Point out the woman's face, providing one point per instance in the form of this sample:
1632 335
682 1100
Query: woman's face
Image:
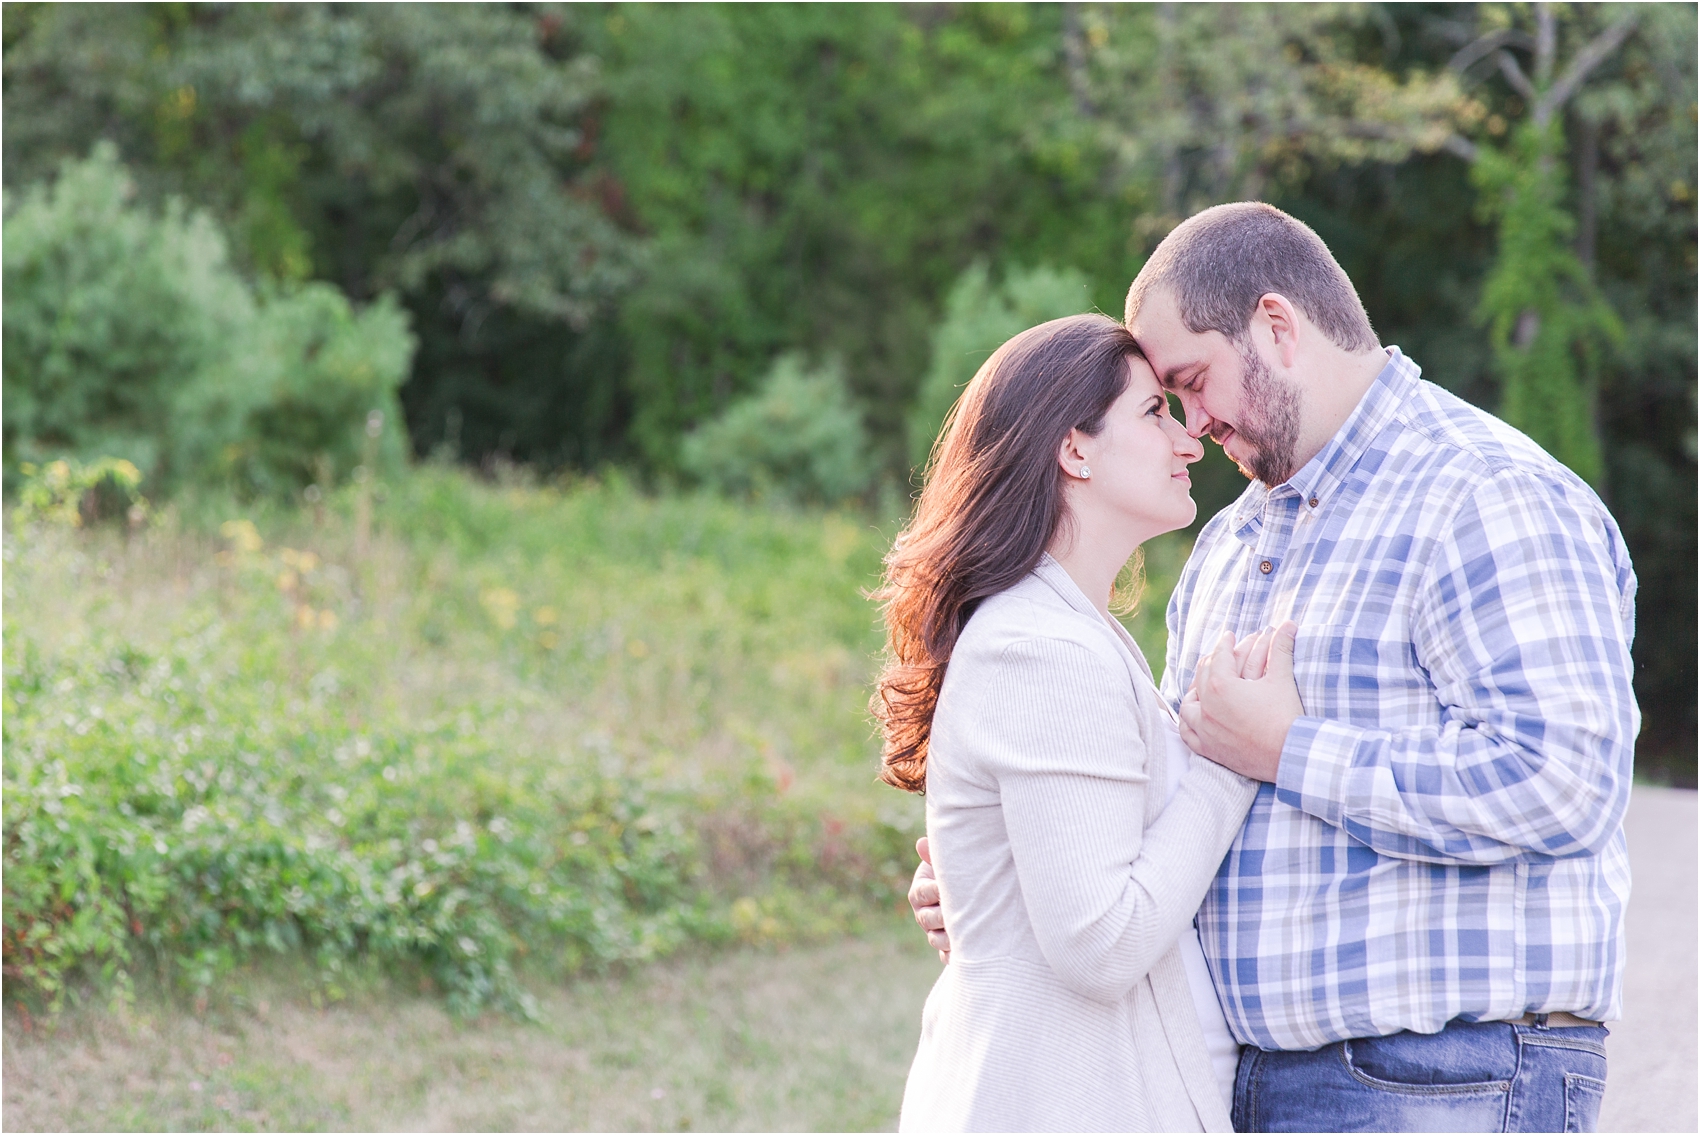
1139 460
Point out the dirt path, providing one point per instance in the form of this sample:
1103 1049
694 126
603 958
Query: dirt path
1652 1084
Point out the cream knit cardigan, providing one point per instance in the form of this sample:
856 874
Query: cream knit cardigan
1065 882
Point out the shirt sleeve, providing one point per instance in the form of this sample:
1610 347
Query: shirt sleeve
1169 689
1523 626
1106 897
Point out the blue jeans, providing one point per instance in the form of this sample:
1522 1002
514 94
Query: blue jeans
1467 1077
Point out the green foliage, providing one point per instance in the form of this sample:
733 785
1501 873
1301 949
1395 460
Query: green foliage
128 332
1546 320
537 727
71 494
798 435
979 316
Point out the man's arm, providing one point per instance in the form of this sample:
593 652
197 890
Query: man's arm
1522 632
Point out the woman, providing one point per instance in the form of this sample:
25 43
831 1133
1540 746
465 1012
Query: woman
1069 876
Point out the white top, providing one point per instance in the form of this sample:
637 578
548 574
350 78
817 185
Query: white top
1065 883
1218 1041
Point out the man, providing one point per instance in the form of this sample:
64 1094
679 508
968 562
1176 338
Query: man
1421 925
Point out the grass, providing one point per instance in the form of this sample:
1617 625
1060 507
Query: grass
514 733
756 1038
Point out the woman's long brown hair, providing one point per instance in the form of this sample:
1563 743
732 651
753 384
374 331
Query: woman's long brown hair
993 501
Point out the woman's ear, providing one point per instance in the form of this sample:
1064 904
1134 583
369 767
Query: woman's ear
1071 456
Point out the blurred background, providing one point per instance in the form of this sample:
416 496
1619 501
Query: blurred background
446 448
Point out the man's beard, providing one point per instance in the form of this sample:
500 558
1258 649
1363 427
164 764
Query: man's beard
1269 424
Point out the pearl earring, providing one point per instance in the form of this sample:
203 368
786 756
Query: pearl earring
1085 473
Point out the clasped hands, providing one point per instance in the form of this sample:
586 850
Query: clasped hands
1243 701
1241 705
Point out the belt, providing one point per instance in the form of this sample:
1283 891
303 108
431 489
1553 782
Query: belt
1554 1021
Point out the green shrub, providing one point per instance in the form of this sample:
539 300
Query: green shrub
128 333
183 812
798 435
72 494
979 316
118 321
323 368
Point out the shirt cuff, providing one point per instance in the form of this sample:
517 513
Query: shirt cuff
1315 762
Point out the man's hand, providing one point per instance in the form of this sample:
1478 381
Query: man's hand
924 897
1243 701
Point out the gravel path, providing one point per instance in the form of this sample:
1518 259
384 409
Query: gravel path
1652 1081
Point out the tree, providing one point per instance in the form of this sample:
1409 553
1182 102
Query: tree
1223 102
452 132
1547 320
815 177
440 152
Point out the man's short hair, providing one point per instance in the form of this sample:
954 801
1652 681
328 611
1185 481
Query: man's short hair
1220 262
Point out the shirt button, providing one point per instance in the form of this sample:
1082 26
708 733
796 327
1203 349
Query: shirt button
1265 567
1314 502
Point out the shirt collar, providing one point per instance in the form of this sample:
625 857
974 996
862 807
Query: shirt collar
1325 472
1053 573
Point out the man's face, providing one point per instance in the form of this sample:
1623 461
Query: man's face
1226 391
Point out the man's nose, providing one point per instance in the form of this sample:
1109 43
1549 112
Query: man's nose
1198 423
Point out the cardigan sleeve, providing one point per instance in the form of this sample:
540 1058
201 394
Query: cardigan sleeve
1059 731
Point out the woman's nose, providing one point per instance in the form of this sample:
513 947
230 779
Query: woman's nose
1187 444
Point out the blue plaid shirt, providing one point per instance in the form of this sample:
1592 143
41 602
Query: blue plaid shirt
1445 837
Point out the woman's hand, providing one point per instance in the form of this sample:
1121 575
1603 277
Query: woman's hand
1243 701
924 900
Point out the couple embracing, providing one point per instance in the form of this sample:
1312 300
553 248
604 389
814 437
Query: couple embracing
1358 863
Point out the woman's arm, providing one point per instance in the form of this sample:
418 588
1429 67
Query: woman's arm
1058 728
